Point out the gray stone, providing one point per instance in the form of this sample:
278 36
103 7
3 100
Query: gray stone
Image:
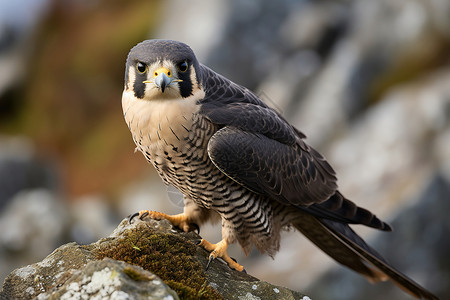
30 281
33 224
80 272
112 279
21 170
91 218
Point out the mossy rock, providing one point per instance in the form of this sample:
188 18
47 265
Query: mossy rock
170 256
140 259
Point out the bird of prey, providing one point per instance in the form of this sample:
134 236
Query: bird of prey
236 160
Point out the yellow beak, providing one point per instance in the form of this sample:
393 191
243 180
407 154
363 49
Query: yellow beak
162 78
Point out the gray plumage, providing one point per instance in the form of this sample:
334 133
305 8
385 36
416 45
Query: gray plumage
235 158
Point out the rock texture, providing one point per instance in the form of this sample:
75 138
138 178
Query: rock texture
143 260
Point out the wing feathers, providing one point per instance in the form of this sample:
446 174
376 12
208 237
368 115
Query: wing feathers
285 173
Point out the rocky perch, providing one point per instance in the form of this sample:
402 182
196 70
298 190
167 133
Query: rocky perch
144 260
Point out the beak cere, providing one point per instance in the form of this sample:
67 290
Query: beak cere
162 78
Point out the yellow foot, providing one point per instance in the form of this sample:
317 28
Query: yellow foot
181 220
220 250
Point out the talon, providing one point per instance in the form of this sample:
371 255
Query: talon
131 217
211 258
220 250
197 241
181 220
142 216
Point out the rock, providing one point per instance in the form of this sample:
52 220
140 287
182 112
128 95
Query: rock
32 280
280 42
114 280
20 169
387 44
139 260
397 146
91 218
33 224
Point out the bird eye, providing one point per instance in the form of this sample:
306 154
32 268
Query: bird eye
142 68
183 66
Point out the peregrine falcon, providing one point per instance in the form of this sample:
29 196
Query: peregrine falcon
236 160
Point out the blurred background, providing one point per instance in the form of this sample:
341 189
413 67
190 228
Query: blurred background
367 81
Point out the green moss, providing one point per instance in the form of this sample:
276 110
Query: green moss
168 256
136 276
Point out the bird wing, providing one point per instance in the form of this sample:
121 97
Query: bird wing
266 166
259 149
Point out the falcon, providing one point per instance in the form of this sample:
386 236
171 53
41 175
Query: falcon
237 160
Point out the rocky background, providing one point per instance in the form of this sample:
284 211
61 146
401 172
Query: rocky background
367 81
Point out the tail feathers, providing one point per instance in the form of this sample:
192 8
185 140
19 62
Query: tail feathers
339 208
340 242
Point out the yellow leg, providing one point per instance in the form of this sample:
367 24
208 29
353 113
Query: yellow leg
181 220
220 250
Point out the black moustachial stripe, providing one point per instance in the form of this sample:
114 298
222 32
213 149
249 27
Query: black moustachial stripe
139 85
186 84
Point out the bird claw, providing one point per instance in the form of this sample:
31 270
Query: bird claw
141 214
211 258
131 217
219 250
181 220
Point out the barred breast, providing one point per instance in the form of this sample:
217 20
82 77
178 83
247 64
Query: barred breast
171 136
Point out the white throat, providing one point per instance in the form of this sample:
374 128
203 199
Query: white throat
153 122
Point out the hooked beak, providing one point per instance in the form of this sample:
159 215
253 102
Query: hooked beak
162 81
162 78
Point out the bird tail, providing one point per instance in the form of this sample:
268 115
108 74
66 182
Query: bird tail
338 208
340 242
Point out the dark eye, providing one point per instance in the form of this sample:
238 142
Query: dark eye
183 66
142 68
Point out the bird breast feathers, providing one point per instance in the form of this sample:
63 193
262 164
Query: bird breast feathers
159 119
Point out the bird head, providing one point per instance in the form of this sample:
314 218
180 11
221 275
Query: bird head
161 69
